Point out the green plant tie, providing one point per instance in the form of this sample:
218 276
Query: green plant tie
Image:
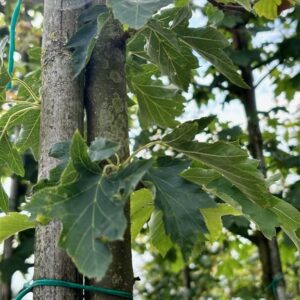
12 40
28 287
273 285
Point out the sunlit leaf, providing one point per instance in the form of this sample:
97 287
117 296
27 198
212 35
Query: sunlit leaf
213 218
267 8
142 207
158 237
13 223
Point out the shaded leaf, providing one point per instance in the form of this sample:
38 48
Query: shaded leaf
82 43
209 43
188 130
229 161
101 149
173 58
14 116
265 219
29 137
180 202
91 208
245 3
3 199
158 104
136 13
4 78
10 157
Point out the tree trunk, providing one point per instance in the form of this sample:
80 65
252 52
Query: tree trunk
5 287
106 106
256 150
186 274
62 114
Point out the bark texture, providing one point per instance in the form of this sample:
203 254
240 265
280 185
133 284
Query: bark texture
268 249
106 107
62 114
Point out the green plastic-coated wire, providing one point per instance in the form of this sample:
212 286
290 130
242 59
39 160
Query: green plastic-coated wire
273 285
53 282
12 40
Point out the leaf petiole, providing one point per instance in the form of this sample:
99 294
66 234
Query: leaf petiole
147 146
28 88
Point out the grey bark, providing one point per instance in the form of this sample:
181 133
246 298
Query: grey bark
273 264
62 114
106 107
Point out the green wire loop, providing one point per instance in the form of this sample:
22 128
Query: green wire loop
273 285
28 287
12 40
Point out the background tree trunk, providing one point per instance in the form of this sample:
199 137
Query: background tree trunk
62 114
106 106
187 280
273 264
5 287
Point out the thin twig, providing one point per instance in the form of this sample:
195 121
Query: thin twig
227 7
266 75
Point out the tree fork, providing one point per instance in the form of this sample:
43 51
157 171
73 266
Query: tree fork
106 107
256 150
62 114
